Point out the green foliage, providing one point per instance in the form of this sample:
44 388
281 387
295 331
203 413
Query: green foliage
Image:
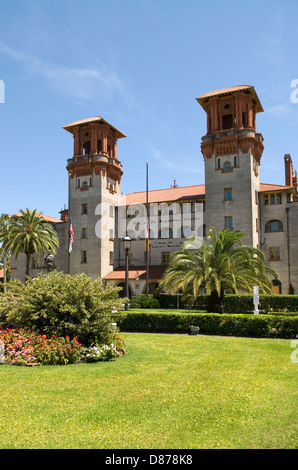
259 326
23 348
144 301
222 266
28 233
60 304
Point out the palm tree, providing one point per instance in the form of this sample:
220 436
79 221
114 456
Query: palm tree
29 233
223 266
4 255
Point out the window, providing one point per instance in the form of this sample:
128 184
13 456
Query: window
274 226
235 161
84 233
111 234
218 164
227 166
84 257
165 257
274 253
273 199
78 183
228 196
111 257
85 186
84 208
229 222
227 121
130 258
111 211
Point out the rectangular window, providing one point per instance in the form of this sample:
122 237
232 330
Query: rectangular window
84 257
84 208
78 183
278 198
111 257
274 253
256 197
111 211
84 233
229 222
165 257
228 195
130 258
265 199
272 199
111 234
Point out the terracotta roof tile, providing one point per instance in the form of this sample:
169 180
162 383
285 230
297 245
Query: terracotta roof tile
82 122
274 187
46 217
225 91
164 195
155 272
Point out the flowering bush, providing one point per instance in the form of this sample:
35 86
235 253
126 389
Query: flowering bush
22 347
114 346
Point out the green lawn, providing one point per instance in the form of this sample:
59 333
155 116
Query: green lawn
168 392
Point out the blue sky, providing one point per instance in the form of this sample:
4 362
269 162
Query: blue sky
140 64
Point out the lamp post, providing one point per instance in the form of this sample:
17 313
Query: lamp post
126 248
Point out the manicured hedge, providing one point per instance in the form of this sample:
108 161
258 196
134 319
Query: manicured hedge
259 326
237 303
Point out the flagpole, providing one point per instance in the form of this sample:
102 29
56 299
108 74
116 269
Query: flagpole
147 234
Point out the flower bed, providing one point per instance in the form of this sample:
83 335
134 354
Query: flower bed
31 348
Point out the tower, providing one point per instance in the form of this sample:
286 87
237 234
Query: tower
232 151
94 188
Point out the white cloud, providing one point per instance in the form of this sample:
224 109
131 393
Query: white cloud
74 81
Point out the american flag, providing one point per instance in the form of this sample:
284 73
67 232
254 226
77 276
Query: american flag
71 236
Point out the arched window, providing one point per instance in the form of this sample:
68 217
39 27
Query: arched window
227 166
274 226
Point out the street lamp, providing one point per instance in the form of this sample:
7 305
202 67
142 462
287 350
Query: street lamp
126 248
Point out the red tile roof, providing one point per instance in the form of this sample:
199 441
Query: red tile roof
226 91
46 217
274 187
183 194
162 195
82 122
155 272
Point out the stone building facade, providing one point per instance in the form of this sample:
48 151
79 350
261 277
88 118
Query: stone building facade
232 197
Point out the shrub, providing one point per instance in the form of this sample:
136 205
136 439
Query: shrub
260 326
144 301
62 305
23 347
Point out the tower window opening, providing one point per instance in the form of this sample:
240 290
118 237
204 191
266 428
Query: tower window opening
227 121
227 167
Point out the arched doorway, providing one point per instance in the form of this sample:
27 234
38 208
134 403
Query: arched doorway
122 292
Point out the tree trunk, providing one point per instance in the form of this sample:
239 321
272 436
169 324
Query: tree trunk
4 273
28 258
216 303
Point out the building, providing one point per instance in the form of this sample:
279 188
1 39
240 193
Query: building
232 196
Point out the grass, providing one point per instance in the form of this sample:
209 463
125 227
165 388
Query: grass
168 392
